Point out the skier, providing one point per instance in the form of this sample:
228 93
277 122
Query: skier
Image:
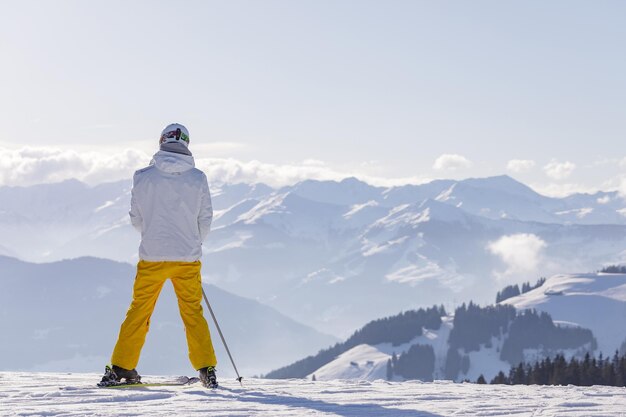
171 207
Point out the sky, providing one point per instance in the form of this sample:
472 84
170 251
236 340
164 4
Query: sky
278 91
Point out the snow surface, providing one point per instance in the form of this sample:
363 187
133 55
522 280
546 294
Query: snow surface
43 394
361 362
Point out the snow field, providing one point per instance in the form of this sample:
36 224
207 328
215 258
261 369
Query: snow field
47 394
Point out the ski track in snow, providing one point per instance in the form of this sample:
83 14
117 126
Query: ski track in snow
47 394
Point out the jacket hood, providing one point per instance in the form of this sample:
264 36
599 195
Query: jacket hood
175 147
171 162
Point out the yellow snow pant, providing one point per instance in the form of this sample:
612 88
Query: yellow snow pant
150 278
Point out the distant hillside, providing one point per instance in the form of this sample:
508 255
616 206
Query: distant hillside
396 330
65 316
428 344
512 333
595 301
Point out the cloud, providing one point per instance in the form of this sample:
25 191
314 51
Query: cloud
451 162
520 252
35 165
234 171
616 183
559 170
519 166
621 188
562 190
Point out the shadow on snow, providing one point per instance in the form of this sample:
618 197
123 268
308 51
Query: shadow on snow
345 410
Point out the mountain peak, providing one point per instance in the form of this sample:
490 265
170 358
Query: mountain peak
348 191
503 183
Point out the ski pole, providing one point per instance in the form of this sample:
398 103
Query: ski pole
206 300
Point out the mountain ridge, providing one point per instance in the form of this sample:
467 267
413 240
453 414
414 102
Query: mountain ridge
339 242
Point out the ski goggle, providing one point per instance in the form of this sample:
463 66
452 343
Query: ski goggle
177 134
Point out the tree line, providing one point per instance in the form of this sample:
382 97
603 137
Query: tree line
396 330
476 327
614 269
511 291
416 363
559 371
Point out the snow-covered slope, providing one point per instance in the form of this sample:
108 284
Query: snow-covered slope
363 362
366 362
594 301
41 394
473 341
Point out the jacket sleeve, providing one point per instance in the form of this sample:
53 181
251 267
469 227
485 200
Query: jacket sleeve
206 211
135 215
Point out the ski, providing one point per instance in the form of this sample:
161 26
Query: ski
181 381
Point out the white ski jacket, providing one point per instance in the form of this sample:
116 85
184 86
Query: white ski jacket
171 207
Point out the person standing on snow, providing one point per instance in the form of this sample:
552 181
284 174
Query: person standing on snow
171 207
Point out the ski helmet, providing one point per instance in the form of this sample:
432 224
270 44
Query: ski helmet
175 133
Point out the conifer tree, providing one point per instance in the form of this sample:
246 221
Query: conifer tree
389 370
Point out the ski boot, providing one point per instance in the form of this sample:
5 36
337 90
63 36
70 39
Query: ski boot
113 376
208 378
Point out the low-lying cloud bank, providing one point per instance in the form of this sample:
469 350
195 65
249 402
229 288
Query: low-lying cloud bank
35 165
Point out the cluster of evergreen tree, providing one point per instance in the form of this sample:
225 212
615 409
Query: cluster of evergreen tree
514 290
531 329
559 371
475 325
456 364
417 363
396 330
614 269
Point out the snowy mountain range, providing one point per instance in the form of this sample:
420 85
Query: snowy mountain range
334 255
65 316
575 302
